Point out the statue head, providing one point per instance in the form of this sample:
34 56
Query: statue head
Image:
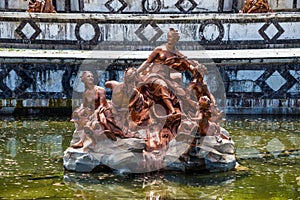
81 115
173 36
204 103
130 75
87 77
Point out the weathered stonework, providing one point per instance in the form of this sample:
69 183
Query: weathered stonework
257 82
144 32
149 6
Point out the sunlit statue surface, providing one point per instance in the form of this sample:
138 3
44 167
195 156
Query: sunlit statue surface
255 6
151 122
41 6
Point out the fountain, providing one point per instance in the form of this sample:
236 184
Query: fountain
151 122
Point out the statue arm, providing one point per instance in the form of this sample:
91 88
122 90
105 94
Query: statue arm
102 96
111 84
149 60
143 67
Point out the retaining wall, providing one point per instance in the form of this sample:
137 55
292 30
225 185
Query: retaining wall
264 82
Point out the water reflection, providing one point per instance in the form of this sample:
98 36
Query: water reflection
163 185
50 145
31 166
11 147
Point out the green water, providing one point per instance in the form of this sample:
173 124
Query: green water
31 166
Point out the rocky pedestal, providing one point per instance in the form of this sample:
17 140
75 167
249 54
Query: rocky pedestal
184 153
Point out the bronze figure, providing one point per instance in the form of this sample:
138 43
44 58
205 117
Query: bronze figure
41 6
256 6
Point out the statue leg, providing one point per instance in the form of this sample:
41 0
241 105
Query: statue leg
169 105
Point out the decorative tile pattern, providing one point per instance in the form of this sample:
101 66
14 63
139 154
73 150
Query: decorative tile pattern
211 31
145 37
275 81
116 6
14 89
271 81
88 32
117 31
151 6
275 32
28 30
249 88
186 6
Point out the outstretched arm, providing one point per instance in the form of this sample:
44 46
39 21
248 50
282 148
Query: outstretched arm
111 84
143 67
149 60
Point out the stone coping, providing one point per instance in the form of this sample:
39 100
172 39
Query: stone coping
156 17
99 54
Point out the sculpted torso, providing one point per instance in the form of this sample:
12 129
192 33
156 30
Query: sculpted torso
93 98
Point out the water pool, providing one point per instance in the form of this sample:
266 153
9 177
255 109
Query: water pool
31 167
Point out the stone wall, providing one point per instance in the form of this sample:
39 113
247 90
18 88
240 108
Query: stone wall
140 32
259 83
149 6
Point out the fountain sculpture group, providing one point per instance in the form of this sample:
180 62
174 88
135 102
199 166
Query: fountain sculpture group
151 122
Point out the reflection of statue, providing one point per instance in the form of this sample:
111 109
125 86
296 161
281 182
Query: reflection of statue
255 6
41 6
151 120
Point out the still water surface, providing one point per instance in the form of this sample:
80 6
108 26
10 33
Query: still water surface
31 165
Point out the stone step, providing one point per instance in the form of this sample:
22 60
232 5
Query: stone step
241 54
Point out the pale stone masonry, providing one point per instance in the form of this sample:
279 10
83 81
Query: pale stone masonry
149 6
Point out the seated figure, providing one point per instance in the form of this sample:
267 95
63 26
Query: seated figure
94 97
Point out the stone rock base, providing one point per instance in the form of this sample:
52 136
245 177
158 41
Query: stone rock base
182 154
